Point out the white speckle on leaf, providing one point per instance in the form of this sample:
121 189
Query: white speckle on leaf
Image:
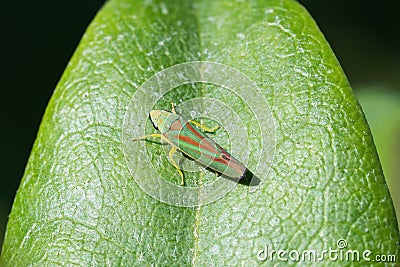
182 76
275 221
156 94
268 11
211 19
215 250
164 9
241 36
94 86
302 72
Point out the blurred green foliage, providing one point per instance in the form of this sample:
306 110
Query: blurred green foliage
381 107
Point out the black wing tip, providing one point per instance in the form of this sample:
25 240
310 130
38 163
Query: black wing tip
249 179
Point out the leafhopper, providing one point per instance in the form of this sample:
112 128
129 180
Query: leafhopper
185 136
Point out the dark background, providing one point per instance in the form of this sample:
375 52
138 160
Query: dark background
39 37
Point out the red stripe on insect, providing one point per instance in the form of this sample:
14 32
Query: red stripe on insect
221 160
193 130
187 139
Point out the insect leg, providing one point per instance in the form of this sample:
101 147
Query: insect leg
146 137
173 108
171 153
205 128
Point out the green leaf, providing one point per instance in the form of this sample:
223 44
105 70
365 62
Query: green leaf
78 203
